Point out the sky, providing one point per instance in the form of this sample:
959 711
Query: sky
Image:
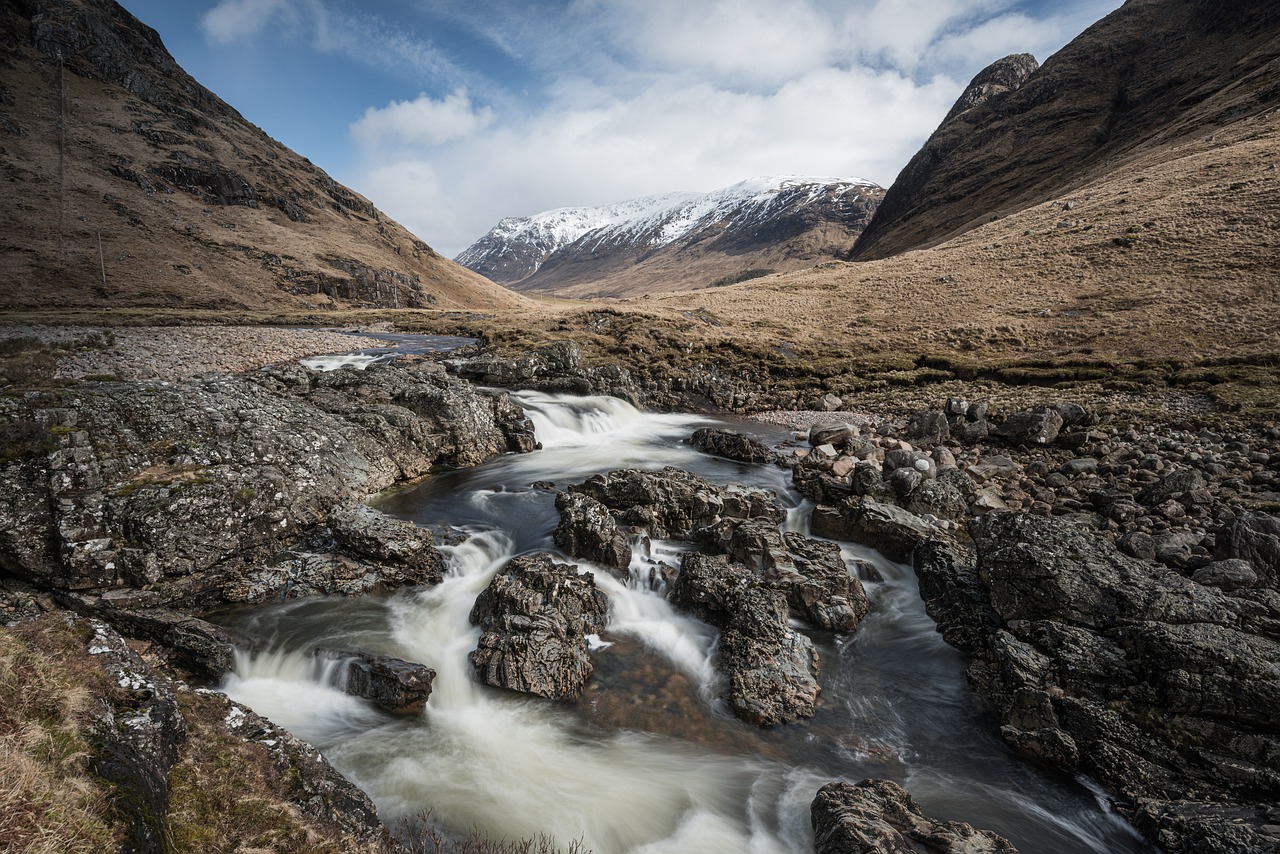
452 114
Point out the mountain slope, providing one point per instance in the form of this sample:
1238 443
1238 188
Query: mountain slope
127 183
1150 73
677 241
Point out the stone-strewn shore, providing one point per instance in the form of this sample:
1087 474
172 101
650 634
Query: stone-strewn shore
176 353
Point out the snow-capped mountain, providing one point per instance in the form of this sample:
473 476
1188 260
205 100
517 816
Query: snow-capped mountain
677 240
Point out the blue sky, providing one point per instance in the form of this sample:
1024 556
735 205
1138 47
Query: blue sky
451 114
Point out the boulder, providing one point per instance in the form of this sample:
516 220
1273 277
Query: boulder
1038 426
588 531
881 817
927 428
1255 537
730 445
362 532
835 433
393 684
535 616
1175 483
889 529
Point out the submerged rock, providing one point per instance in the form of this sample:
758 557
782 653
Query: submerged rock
535 616
395 685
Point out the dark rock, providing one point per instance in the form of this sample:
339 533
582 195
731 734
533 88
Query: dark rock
730 445
881 817
1255 537
834 433
1173 484
395 685
363 532
927 428
1160 688
772 670
942 499
969 431
587 531
1079 466
1230 574
187 642
1037 426
1138 544
535 616
674 504
891 530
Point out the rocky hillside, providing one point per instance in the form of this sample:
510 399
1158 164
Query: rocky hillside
1153 73
130 184
677 241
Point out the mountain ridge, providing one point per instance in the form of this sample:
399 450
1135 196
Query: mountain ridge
131 184
676 240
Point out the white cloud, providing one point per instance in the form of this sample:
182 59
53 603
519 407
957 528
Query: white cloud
238 20
422 121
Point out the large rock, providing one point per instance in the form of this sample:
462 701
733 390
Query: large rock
881 817
889 529
1038 426
1160 688
535 616
187 489
772 670
588 531
362 532
675 504
395 685
730 445
1254 537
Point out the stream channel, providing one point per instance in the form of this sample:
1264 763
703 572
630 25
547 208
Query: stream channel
649 759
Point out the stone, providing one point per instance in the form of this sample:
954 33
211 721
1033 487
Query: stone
881 817
366 533
1138 544
1230 574
927 428
1039 426
956 406
891 530
588 531
1255 537
730 445
535 616
1079 466
831 403
836 433
393 684
1175 483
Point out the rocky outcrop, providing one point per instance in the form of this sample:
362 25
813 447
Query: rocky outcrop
589 532
535 616
881 817
1019 135
1161 688
225 489
772 670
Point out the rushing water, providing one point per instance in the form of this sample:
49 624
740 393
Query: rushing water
649 760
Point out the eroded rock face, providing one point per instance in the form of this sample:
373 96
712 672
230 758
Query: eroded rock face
194 489
1159 687
880 817
536 615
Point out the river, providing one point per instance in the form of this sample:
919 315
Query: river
649 760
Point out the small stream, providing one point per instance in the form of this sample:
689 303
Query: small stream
649 760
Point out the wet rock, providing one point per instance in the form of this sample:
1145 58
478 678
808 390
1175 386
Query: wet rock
730 445
395 685
535 616
587 531
365 533
1159 687
881 817
1255 537
675 504
889 529
772 670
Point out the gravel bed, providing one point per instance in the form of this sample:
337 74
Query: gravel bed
175 353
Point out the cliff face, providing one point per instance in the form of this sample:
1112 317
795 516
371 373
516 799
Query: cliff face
130 184
1151 73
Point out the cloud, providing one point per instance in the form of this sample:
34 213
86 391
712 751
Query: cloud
234 21
637 97
422 121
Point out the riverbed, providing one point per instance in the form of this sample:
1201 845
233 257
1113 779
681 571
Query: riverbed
650 759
